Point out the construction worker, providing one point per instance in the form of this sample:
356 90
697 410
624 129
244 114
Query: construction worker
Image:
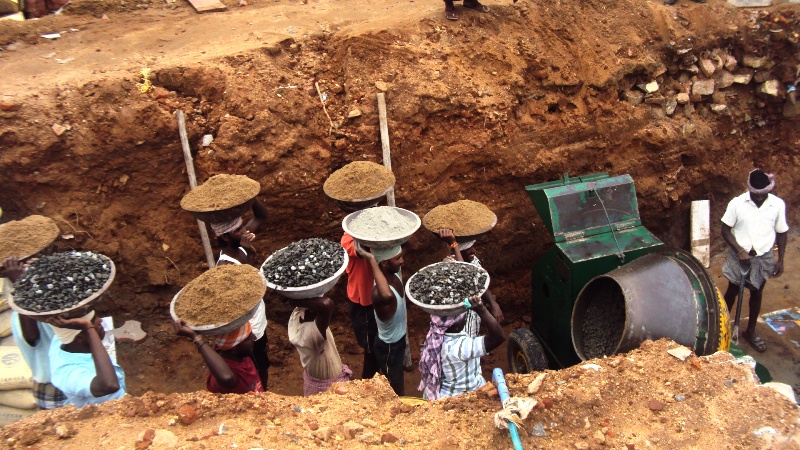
752 224
311 336
79 364
389 303
235 239
465 252
232 370
450 360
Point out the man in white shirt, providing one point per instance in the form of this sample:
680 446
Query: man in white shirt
752 224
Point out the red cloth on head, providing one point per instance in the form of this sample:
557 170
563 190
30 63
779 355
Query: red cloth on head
247 379
359 274
232 339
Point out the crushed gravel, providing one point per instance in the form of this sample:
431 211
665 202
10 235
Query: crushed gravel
447 283
304 263
61 280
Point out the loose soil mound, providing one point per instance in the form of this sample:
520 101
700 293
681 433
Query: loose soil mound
359 181
221 295
644 399
221 192
464 217
27 236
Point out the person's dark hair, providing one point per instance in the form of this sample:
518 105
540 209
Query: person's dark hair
758 179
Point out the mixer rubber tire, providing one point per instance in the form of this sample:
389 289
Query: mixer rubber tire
525 352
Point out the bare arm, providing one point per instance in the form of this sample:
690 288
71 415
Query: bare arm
216 364
323 309
780 239
382 297
490 300
30 329
259 216
727 236
105 381
450 239
496 335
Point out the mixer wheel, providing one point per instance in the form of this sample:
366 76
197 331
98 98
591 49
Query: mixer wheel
525 353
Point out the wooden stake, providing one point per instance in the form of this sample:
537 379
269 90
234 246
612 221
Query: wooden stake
322 101
187 157
387 153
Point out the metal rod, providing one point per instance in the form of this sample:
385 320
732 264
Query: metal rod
500 379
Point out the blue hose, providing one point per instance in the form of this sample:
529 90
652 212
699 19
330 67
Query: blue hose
500 379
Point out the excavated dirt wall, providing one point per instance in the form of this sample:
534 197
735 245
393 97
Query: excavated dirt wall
477 110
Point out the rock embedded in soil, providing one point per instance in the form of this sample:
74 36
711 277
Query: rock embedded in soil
359 180
447 283
464 217
221 192
220 295
27 236
381 223
304 263
61 281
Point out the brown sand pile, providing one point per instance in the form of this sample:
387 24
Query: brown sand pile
646 399
221 192
27 236
464 217
220 295
358 181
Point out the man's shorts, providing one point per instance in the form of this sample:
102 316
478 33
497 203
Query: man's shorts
390 360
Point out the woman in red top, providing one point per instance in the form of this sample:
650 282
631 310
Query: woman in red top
232 370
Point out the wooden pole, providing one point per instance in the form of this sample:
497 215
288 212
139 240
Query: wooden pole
187 157
387 153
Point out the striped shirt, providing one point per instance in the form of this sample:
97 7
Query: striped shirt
461 364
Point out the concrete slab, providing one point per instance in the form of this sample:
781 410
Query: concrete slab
131 330
750 3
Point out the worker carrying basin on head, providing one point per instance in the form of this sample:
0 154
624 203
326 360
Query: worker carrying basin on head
221 201
355 187
752 224
460 224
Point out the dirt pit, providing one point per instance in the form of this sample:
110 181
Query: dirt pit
477 109
646 398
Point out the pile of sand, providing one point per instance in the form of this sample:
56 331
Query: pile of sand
221 192
27 236
359 181
464 217
220 295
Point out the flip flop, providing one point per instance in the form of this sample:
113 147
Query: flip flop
477 6
450 14
756 342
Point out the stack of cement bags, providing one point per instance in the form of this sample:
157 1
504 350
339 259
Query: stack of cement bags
16 396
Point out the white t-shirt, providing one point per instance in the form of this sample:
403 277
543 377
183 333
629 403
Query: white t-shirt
754 227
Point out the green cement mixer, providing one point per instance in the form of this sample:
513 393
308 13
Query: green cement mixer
607 284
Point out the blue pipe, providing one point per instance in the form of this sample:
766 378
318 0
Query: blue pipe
500 379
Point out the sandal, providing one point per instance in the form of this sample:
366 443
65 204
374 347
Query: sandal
477 6
757 342
450 14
